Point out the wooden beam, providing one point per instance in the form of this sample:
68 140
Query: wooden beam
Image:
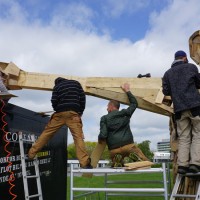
145 104
147 90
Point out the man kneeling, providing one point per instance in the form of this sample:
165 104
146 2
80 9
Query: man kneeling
115 129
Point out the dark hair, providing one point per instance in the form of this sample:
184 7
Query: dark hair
115 103
179 57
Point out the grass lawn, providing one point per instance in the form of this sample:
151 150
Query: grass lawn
98 181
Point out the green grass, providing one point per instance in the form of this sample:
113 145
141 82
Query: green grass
98 181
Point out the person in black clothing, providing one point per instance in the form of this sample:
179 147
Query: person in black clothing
68 100
182 82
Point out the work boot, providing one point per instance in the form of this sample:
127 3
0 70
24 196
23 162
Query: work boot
88 166
127 160
182 170
117 161
194 168
134 157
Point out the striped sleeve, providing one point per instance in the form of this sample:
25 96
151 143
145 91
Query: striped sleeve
82 99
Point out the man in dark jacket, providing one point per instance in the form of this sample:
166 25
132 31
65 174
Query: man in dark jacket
115 129
68 101
182 82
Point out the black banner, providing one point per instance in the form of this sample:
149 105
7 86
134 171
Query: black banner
52 158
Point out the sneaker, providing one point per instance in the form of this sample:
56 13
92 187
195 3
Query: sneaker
127 160
194 168
117 160
182 170
134 157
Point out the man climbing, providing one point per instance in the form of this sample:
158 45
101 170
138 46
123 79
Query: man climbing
68 100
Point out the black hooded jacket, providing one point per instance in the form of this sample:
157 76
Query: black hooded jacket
68 95
182 82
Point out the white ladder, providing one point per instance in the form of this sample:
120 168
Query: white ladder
179 178
24 172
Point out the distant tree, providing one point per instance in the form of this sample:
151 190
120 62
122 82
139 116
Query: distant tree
71 153
145 147
89 148
106 154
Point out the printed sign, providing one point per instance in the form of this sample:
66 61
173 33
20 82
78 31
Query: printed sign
52 158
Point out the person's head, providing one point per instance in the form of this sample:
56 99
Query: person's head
59 79
180 55
113 105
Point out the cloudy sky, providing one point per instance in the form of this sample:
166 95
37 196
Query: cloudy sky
110 38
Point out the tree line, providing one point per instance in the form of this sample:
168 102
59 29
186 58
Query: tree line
144 146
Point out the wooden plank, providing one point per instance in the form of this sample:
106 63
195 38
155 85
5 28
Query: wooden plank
99 82
137 165
160 97
42 81
145 104
138 92
96 156
97 153
167 109
12 70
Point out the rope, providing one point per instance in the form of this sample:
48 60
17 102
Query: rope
8 167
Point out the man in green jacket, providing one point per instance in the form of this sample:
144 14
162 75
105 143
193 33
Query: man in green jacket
115 129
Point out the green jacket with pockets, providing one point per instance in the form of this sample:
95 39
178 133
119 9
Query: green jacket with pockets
115 126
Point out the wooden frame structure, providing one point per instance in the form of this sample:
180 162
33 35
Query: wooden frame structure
148 91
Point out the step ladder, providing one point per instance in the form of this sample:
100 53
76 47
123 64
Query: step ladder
179 179
24 172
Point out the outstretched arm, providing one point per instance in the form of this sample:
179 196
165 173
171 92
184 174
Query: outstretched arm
125 87
133 102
